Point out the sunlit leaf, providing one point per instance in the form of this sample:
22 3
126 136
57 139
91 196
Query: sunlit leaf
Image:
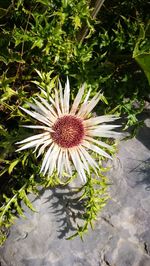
12 165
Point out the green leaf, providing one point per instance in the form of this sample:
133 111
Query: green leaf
144 62
7 94
76 22
141 51
4 59
4 209
44 2
19 209
103 99
38 43
3 171
12 165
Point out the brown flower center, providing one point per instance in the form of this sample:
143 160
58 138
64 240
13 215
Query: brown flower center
68 131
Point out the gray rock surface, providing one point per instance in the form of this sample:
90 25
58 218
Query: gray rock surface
122 232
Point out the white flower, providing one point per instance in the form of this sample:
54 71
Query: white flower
68 133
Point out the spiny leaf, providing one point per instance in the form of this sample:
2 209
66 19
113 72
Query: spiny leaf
7 94
26 200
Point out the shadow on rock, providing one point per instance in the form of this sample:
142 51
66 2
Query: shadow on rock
143 170
65 204
144 132
35 262
143 136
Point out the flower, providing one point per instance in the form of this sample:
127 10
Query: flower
68 133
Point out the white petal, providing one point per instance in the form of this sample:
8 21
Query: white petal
87 108
44 92
78 164
41 150
37 116
34 107
100 143
45 139
59 162
47 156
62 164
29 145
57 104
35 137
104 134
83 160
52 101
82 172
103 127
67 163
66 96
53 159
33 143
88 157
108 127
39 127
37 146
95 149
87 96
49 107
46 112
41 107
61 97
77 100
100 119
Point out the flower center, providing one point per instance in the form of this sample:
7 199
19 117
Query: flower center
68 131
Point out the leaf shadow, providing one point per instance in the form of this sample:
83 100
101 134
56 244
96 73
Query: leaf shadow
144 131
65 204
143 169
35 262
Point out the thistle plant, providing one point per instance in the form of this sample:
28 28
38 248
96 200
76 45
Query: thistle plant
68 133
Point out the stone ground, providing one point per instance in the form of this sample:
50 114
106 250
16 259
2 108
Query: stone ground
121 236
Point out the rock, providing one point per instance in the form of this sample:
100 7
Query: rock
121 236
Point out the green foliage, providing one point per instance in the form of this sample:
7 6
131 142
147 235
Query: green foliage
15 194
94 197
41 40
141 52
